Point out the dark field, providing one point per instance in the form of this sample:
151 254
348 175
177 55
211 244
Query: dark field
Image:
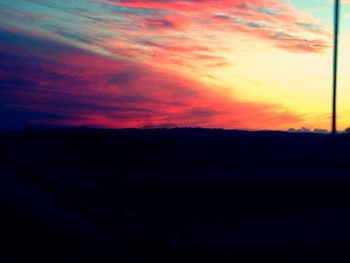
180 195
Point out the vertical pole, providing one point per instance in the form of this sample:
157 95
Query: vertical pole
335 67
333 152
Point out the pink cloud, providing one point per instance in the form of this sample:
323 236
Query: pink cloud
74 87
260 18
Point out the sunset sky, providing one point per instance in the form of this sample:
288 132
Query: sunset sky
234 64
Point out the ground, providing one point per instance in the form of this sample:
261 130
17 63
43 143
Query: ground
176 195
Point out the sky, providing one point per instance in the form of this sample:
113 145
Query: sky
233 64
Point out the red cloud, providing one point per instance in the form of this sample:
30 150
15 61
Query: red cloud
260 18
74 87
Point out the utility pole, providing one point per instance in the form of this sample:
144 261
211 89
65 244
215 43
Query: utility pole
335 67
333 150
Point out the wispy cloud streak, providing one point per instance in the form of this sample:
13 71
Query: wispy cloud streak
68 86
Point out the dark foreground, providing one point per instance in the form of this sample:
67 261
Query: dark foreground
182 195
